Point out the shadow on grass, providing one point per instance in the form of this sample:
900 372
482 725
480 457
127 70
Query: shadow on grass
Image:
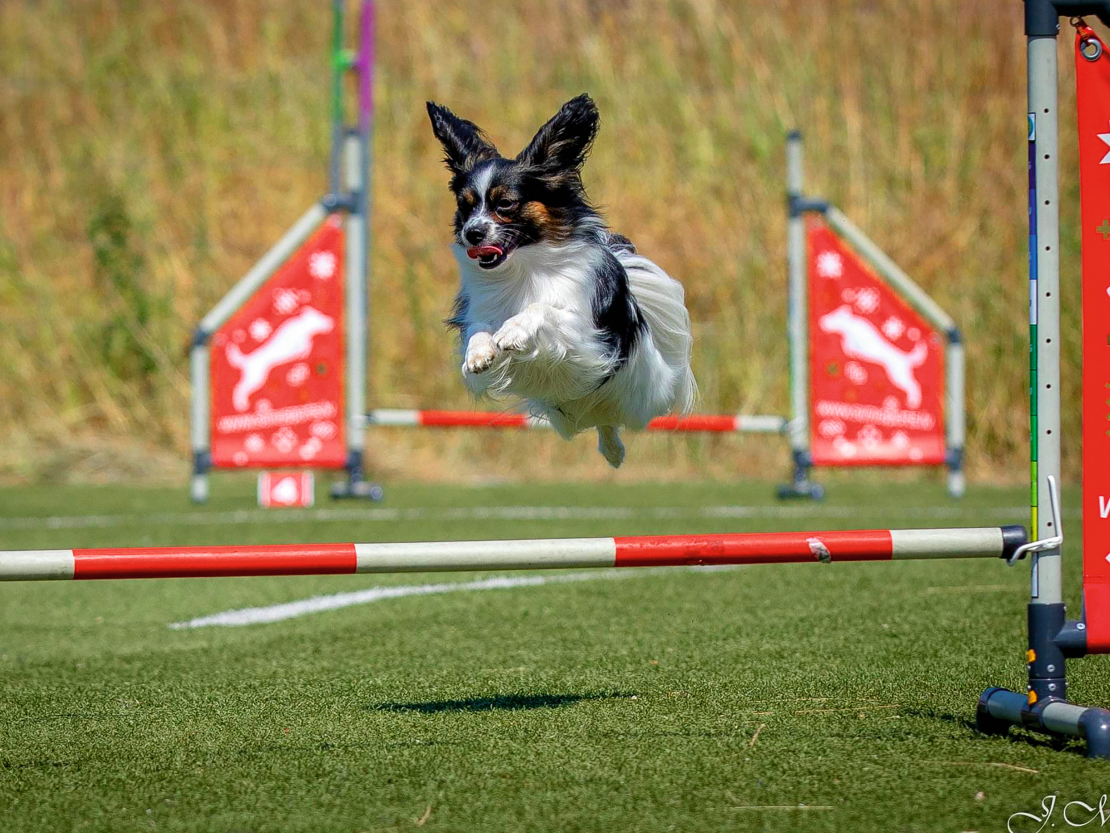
1016 736
498 702
944 717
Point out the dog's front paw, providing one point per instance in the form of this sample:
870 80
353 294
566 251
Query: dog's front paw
513 337
480 354
518 334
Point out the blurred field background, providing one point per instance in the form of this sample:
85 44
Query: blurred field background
150 152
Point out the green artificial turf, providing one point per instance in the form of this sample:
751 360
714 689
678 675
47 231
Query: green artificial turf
803 697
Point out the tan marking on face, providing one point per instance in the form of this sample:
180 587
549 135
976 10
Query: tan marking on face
540 216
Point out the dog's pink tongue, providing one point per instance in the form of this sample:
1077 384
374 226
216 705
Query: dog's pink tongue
475 252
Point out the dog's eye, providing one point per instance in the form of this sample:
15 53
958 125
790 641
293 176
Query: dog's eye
505 205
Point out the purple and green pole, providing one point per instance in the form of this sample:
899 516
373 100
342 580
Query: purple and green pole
350 182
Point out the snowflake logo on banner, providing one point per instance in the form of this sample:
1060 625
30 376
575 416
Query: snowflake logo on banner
830 265
1106 138
893 327
870 436
855 373
297 375
284 440
913 334
867 300
286 301
831 428
325 429
891 403
900 440
310 449
254 443
322 265
239 458
260 329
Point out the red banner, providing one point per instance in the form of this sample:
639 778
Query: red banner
277 365
876 366
1093 81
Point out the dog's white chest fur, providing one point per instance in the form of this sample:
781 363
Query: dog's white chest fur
529 331
559 276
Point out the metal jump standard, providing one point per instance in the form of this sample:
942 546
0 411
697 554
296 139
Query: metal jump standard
1053 638
304 304
826 254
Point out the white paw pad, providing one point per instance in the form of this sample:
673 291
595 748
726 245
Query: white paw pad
480 354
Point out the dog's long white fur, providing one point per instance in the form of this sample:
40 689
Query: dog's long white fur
530 332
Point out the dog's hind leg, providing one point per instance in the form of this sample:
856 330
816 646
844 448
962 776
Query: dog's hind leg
610 445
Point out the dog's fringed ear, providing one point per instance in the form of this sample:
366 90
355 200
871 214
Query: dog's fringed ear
464 143
563 144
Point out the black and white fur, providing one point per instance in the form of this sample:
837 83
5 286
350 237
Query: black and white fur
552 306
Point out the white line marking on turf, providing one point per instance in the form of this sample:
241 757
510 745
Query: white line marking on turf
503 513
318 604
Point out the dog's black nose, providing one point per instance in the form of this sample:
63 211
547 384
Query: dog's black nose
474 235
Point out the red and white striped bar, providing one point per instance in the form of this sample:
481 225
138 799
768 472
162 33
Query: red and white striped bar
532 554
746 423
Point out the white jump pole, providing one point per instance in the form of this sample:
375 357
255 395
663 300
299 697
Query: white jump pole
529 554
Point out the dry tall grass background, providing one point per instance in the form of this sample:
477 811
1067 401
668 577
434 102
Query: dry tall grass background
150 152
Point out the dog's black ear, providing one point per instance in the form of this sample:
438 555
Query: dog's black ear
564 142
464 143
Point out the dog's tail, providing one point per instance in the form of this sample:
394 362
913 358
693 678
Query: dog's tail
234 355
918 354
663 303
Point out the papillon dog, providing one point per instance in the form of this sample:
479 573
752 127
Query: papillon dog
552 306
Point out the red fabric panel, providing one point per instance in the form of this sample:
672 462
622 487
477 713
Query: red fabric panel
876 366
1093 81
277 365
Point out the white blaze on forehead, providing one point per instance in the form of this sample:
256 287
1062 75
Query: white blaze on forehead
481 183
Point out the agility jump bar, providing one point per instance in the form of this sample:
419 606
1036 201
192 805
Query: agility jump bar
527 554
749 423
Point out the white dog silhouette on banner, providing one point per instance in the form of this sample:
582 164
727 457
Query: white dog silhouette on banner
292 341
860 339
